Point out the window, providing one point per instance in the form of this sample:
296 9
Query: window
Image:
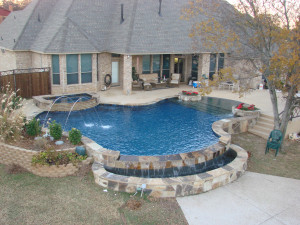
146 64
72 69
221 61
195 60
166 66
55 69
212 66
156 64
86 68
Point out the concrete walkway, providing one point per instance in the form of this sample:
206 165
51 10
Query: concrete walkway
252 199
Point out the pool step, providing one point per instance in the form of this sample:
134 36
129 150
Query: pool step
263 127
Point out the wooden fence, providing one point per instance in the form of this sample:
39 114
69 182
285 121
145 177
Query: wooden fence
29 82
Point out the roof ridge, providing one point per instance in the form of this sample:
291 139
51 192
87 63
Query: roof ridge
66 18
83 32
26 24
130 30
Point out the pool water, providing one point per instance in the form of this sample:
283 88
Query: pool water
164 128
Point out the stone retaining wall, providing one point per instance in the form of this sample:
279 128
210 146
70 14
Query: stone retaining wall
175 186
10 154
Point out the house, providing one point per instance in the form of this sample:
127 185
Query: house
82 41
4 13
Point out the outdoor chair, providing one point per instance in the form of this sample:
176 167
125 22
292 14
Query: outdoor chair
175 79
274 141
137 84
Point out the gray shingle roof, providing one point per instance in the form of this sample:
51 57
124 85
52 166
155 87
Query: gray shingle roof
86 26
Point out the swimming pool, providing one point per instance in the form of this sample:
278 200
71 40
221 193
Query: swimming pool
165 128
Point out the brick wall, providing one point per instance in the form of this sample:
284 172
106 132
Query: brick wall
7 60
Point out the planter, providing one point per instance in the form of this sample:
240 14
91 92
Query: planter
60 170
10 154
241 113
189 98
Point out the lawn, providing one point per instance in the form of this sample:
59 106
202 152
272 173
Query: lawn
29 199
286 164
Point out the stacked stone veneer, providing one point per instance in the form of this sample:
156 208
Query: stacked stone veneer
43 103
174 186
19 156
115 160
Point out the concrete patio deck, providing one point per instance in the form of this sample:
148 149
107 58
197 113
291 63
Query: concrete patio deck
252 199
261 98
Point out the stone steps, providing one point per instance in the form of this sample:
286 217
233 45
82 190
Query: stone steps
263 127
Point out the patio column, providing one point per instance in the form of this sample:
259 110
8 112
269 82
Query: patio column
205 64
127 74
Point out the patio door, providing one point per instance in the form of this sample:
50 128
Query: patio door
179 67
115 76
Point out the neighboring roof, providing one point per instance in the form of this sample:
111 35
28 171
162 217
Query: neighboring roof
4 12
87 26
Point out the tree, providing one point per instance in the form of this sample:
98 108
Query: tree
17 5
263 33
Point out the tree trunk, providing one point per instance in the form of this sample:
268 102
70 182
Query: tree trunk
273 97
287 112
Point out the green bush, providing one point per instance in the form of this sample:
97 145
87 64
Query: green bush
55 130
75 136
33 127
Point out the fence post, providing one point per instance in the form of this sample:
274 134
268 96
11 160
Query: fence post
15 82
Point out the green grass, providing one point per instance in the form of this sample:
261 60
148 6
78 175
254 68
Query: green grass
29 199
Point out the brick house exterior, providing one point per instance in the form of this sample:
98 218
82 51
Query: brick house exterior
82 41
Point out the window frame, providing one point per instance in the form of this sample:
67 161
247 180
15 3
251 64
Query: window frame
55 74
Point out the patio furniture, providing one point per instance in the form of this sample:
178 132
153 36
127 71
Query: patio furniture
137 84
274 141
175 79
148 79
228 84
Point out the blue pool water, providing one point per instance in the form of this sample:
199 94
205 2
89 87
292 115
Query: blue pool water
168 127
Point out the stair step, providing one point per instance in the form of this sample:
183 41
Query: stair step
263 129
264 124
267 116
266 120
262 134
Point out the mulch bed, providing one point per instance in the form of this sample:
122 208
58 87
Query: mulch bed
29 143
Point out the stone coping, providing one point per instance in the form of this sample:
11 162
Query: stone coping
174 186
163 161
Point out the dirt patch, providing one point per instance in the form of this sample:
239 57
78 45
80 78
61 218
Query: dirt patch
15 169
133 204
286 164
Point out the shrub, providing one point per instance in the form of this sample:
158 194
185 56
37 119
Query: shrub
52 157
75 136
11 120
33 127
55 130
